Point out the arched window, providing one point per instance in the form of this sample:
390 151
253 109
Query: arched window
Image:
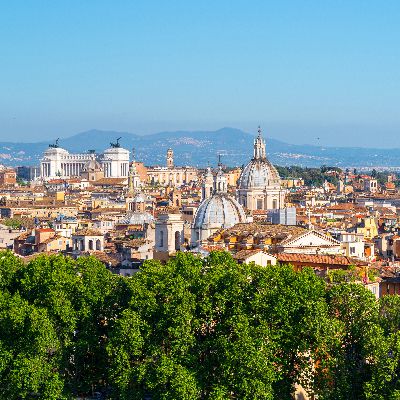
90 244
98 244
161 238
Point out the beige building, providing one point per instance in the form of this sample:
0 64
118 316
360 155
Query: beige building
171 175
232 177
87 240
92 171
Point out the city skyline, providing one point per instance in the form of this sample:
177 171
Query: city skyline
308 73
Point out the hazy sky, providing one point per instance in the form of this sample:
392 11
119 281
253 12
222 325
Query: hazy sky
302 69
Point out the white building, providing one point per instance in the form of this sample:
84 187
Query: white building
311 242
59 163
353 244
371 185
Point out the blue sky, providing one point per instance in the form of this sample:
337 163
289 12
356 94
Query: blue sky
302 69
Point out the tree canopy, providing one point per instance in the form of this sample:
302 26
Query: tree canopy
191 329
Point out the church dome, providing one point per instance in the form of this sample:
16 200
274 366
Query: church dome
220 210
259 172
137 218
139 198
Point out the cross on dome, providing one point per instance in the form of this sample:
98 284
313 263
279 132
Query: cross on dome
259 147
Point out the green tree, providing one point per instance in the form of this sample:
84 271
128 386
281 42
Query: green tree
28 351
192 329
384 352
357 310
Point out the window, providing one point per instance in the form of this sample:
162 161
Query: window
274 204
161 239
177 240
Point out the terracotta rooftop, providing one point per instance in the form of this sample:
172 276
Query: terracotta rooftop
266 229
109 181
88 232
317 259
243 254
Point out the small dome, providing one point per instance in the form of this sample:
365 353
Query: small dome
258 174
137 218
139 198
92 166
220 210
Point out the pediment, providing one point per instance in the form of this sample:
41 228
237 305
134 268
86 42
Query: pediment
311 238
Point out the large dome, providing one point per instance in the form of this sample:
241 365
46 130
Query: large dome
258 174
220 210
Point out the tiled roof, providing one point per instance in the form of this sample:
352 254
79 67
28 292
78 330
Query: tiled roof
317 259
109 181
88 232
243 254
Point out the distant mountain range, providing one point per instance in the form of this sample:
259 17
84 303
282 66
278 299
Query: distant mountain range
199 148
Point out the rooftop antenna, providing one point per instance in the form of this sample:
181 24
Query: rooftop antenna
133 154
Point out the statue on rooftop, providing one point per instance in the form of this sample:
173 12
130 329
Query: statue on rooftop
116 144
55 145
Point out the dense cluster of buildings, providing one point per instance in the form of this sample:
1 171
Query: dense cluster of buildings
113 207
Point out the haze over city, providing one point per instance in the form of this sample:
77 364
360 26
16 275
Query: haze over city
308 72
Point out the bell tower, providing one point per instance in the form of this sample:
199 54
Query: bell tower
134 178
220 181
208 184
170 158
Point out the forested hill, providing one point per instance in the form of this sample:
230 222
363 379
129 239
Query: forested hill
198 148
317 176
191 329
